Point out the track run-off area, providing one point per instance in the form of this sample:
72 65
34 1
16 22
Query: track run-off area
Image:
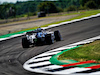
13 56
48 63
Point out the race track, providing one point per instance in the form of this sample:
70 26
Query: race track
12 55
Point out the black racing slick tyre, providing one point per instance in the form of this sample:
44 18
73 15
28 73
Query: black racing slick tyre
49 39
57 36
25 43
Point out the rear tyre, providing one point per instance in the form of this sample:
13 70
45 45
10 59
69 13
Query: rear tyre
57 36
38 41
25 43
49 39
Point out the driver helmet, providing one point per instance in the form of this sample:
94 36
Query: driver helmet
39 29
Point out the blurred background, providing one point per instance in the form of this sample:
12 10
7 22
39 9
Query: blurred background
15 10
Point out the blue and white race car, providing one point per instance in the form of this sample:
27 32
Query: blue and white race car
40 36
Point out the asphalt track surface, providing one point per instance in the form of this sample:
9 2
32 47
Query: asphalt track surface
12 55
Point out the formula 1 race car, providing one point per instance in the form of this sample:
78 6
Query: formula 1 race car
40 36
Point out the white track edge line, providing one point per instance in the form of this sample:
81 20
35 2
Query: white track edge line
54 25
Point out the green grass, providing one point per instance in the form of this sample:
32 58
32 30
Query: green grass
86 52
81 15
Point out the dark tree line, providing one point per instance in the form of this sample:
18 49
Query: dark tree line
19 9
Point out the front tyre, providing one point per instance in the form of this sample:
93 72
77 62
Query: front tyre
57 36
25 43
